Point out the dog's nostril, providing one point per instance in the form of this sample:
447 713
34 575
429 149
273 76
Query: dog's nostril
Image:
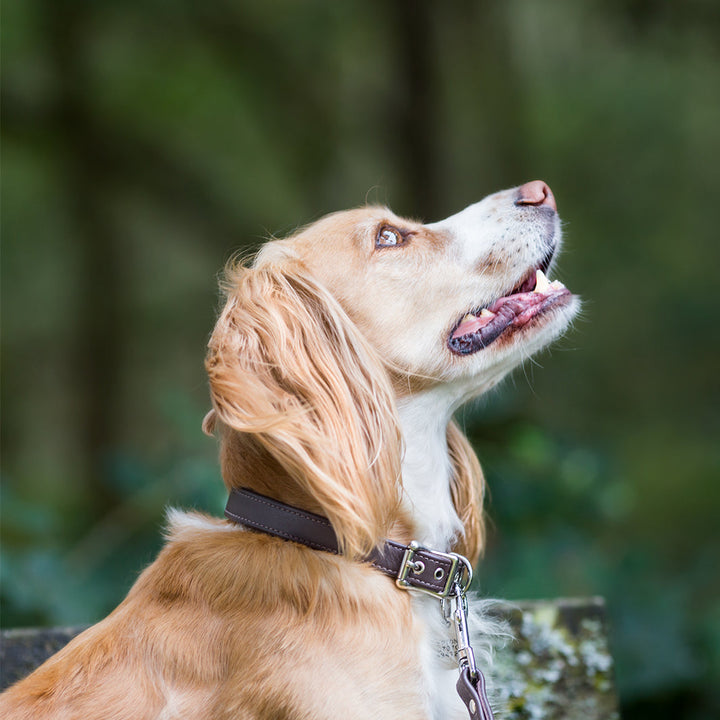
536 193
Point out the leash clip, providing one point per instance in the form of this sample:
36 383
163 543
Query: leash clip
465 653
471 683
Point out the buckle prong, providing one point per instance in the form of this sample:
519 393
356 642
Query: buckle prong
459 573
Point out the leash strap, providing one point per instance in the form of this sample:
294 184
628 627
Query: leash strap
446 576
473 694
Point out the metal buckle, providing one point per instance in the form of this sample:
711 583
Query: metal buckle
457 576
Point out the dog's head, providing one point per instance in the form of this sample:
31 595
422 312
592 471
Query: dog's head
320 335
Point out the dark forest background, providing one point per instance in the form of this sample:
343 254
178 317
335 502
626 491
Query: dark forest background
144 142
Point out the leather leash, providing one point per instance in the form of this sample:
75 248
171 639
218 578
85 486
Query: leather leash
446 576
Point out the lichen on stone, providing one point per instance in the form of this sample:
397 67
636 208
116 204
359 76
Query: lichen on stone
559 665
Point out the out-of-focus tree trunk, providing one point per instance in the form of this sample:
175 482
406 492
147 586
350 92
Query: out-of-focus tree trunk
99 329
414 40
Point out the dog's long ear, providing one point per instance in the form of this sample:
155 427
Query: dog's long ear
468 490
287 366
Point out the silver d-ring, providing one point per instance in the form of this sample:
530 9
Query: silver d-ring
464 574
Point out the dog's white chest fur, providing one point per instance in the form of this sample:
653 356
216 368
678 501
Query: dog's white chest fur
436 662
426 468
426 475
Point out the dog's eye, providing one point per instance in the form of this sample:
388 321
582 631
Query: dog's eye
388 237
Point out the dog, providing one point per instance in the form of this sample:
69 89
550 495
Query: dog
335 367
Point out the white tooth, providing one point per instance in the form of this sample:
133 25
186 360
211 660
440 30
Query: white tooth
541 284
486 313
556 285
469 317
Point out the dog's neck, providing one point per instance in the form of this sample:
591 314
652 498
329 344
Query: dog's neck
426 467
428 514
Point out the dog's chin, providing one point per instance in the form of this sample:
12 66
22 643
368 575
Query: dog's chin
489 343
531 304
530 323
542 329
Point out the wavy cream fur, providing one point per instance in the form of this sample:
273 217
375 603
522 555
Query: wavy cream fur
288 369
333 389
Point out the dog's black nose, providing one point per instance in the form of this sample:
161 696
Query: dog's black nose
536 193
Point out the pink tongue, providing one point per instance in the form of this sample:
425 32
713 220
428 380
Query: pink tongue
471 325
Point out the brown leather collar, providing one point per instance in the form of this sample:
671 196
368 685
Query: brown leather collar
412 566
444 575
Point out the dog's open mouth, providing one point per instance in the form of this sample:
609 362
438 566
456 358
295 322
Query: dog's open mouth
528 300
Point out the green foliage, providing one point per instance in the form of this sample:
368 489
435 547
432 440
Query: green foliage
563 514
144 143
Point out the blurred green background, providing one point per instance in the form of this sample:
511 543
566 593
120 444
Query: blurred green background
144 142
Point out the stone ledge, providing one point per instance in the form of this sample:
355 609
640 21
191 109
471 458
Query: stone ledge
560 664
558 667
